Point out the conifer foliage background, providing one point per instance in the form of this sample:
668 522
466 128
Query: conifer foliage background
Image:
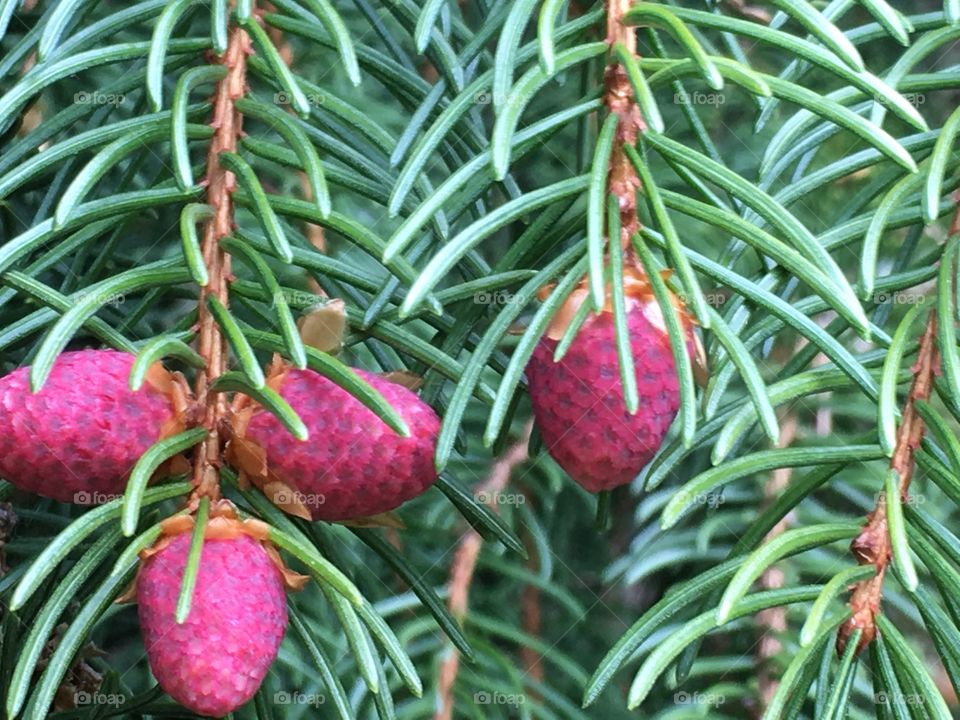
434 166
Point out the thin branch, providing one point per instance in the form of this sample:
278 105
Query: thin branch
8 521
465 562
955 225
531 615
872 545
773 621
750 12
315 233
227 123
618 96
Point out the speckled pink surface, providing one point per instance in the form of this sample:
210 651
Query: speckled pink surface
353 465
578 402
215 661
78 438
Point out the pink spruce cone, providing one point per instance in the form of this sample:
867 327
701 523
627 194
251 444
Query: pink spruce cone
578 403
214 662
79 437
353 466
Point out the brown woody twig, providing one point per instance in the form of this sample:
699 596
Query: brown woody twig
773 621
872 545
315 233
221 184
465 562
622 179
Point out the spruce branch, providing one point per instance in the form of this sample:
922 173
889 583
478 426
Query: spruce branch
773 621
618 96
417 194
8 521
531 611
873 546
314 232
465 562
221 184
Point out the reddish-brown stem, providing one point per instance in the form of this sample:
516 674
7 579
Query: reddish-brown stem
465 562
772 622
227 125
622 179
751 12
955 225
8 521
315 233
872 545
531 615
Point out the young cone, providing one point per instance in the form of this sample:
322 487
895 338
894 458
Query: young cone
354 466
216 660
79 437
578 402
